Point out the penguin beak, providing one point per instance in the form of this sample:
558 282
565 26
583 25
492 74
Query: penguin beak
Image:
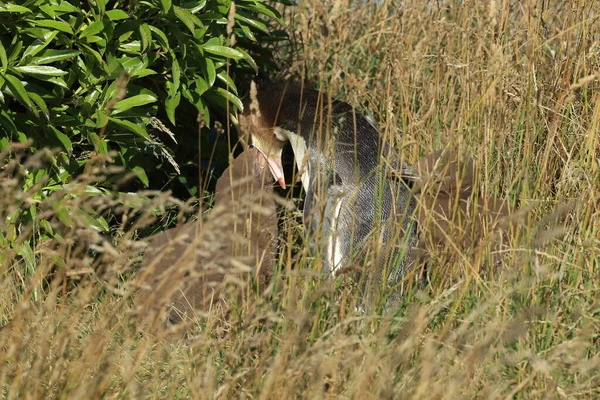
269 147
271 158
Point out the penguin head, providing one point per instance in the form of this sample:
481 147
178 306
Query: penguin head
268 146
273 116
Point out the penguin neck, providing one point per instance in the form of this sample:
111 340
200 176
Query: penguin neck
299 147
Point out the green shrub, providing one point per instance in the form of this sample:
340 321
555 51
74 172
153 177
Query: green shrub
61 62
123 83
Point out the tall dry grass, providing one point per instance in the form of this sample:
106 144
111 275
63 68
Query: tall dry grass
513 84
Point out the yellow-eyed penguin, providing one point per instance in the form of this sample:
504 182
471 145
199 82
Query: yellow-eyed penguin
349 200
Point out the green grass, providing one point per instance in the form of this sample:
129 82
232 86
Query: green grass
513 85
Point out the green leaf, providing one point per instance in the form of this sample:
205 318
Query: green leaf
188 19
12 8
102 224
201 85
227 80
135 128
248 32
48 10
26 252
99 144
7 122
166 5
39 45
116 15
176 71
261 8
92 29
58 82
200 32
93 52
255 23
141 174
18 90
140 73
194 6
217 18
134 101
145 37
132 47
160 36
33 207
63 214
64 139
40 70
3 59
227 95
93 95
132 64
51 56
208 67
14 51
99 224
171 104
101 6
96 39
224 51
37 99
87 189
49 23
21 137
64 7
101 119
212 41
249 60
